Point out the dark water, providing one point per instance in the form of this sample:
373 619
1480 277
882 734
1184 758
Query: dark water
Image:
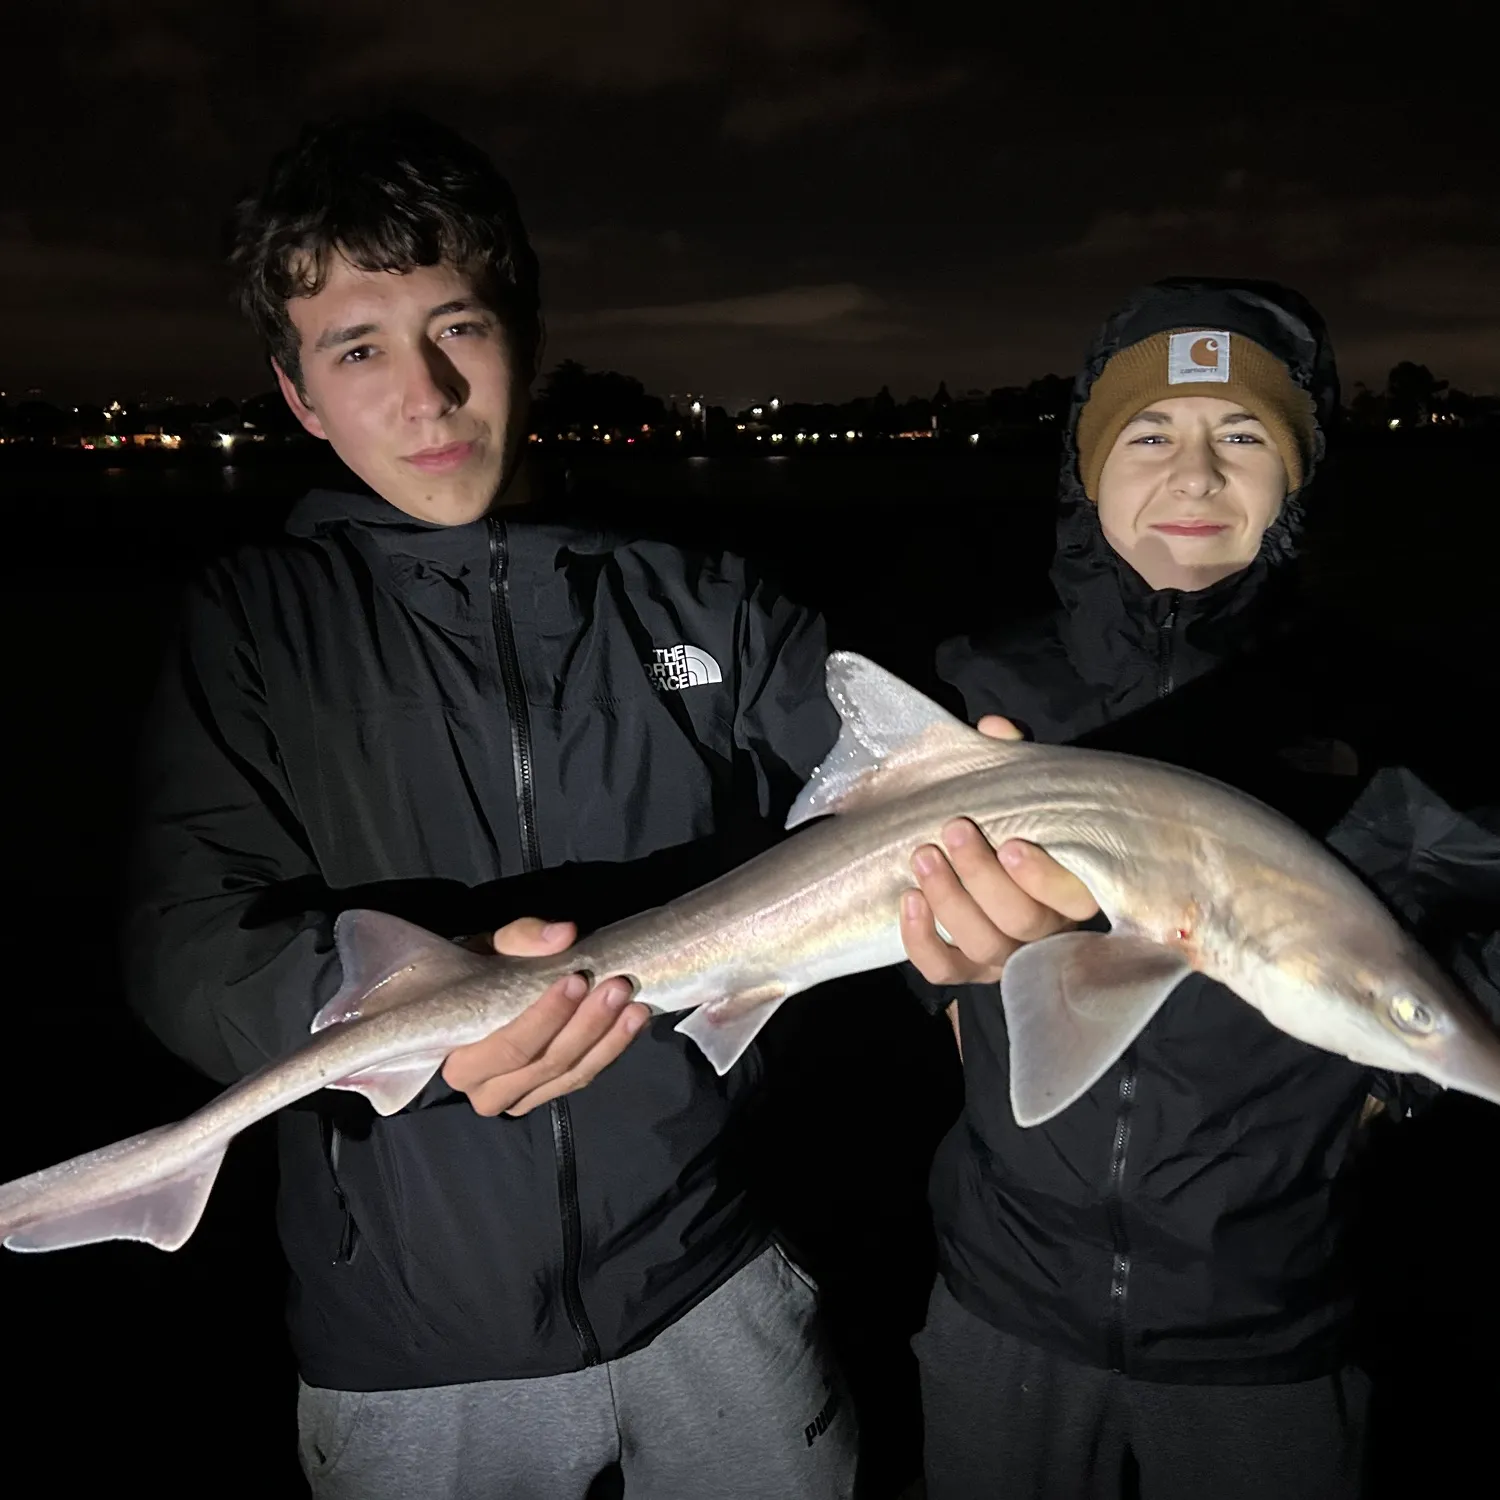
133 1367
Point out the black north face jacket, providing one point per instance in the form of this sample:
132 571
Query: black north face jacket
1185 1220
461 726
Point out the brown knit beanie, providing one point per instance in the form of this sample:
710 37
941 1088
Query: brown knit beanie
1196 362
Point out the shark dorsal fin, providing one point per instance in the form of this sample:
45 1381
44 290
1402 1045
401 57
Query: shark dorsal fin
892 740
385 961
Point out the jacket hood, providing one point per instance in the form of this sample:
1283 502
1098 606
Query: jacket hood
319 510
1095 586
382 528
1275 317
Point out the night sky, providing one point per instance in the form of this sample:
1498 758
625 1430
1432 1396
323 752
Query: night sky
811 198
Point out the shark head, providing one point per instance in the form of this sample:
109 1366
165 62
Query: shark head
1369 992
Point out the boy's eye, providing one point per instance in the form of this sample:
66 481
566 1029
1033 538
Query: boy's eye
356 356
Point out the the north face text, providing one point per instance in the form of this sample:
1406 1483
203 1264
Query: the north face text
674 668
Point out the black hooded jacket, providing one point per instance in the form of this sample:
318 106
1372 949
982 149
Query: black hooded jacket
1184 1220
461 726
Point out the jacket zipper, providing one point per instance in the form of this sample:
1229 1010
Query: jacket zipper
1119 1279
515 695
1165 650
531 858
1119 1273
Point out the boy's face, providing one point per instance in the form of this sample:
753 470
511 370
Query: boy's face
414 381
1188 491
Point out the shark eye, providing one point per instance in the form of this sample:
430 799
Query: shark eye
1411 1015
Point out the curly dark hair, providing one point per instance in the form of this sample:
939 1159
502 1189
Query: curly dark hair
389 192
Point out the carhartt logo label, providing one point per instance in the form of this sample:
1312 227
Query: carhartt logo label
674 668
1200 355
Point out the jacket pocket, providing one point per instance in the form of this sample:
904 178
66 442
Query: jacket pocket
326 1423
794 1268
348 1240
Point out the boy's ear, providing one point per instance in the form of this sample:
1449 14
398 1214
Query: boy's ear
298 403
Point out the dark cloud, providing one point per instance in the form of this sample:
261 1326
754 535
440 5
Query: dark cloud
820 311
1294 221
817 198
841 96
1437 281
583 45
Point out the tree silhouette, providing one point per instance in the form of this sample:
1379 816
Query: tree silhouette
1050 397
576 399
1413 393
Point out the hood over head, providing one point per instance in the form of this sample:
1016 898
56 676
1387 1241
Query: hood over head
1101 594
1280 320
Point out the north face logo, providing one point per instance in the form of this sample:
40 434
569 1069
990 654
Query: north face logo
1200 355
674 668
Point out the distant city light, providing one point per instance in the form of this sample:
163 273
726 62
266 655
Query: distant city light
1394 423
755 411
226 440
973 437
697 408
850 435
776 437
775 403
800 436
679 432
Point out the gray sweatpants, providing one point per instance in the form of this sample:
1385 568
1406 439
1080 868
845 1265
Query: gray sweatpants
739 1400
1004 1420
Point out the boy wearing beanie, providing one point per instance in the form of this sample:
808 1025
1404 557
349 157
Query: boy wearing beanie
1150 1294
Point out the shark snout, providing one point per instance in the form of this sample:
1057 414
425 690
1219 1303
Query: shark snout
1469 1060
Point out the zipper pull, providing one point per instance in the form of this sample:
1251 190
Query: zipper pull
345 1253
1164 644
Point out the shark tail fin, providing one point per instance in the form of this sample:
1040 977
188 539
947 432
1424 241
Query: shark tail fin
161 1210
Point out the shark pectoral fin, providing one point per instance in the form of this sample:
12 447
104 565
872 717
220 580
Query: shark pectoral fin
392 1086
1073 1004
725 1029
163 1213
892 740
384 960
